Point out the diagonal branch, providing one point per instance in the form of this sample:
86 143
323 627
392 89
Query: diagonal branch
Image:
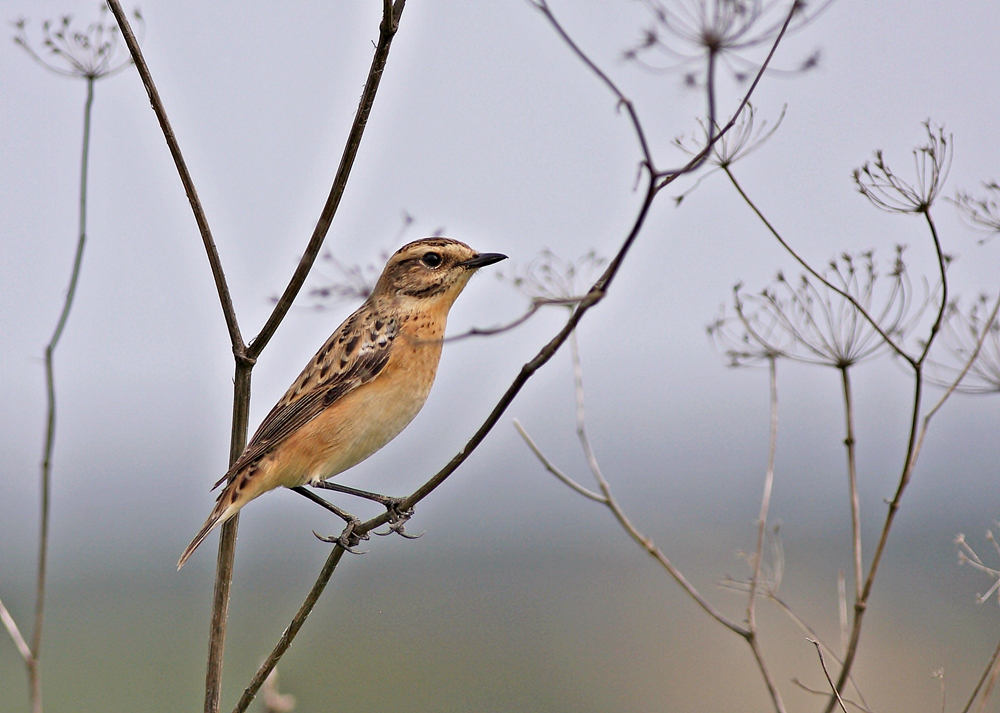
550 466
982 679
387 30
812 271
606 498
15 634
293 628
826 672
228 311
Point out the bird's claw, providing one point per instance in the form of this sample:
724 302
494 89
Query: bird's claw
348 539
398 519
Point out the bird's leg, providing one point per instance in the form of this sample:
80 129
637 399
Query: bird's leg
347 539
397 516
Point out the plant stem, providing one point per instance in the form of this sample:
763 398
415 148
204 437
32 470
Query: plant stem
34 672
293 628
852 478
227 546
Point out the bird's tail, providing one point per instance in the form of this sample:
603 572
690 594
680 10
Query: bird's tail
224 509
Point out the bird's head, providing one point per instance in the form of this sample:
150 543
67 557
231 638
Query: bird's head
431 269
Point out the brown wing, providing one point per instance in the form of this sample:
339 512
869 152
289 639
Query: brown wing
356 353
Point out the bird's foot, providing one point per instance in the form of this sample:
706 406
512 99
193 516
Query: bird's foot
348 539
398 518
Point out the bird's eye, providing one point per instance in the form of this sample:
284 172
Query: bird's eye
431 259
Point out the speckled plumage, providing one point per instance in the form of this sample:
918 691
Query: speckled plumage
363 386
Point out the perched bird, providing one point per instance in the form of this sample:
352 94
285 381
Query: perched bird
363 386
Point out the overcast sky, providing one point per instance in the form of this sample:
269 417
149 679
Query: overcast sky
487 127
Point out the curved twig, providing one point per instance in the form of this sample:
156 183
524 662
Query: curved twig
536 304
391 13
228 311
826 672
293 628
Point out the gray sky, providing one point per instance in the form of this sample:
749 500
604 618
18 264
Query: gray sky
485 125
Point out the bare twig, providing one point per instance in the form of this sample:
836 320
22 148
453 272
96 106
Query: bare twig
597 497
765 501
826 672
391 13
852 478
623 101
156 103
293 628
15 634
848 701
668 177
918 431
842 610
744 586
919 200
816 274
991 683
994 659
88 55
607 499
536 304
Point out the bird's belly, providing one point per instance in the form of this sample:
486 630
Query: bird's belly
381 413
359 423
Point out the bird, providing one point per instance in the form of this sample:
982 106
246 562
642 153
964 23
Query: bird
364 385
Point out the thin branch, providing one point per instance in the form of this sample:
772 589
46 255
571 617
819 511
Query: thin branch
991 683
848 701
645 542
536 304
812 271
623 101
842 610
597 497
765 501
293 628
34 672
15 634
942 261
861 605
226 557
918 431
246 356
228 311
387 30
826 672
668 177
607 499
852 479
772 689
810 633
227 542
982 679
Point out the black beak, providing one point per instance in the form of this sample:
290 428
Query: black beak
482 260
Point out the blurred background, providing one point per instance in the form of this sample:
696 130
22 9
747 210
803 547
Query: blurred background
520 595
